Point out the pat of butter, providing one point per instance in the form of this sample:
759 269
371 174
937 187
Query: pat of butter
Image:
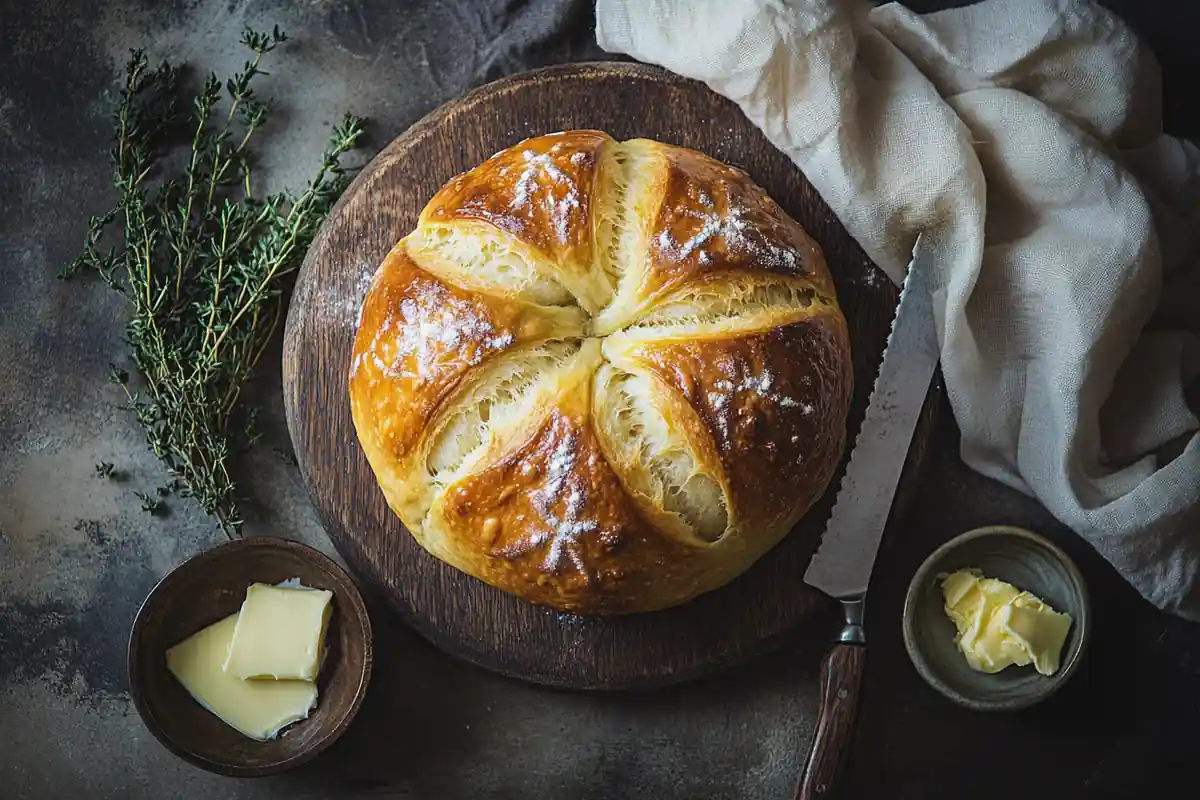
258 709
999 625
279 634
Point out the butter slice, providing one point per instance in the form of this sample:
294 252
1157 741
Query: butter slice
258 709
279 633
1000 625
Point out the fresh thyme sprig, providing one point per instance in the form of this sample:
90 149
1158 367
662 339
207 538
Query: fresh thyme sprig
203 263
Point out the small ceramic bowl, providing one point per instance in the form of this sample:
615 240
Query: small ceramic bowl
210 586
1027 561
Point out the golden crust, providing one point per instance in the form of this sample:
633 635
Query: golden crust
551 522
418 336
602 475
712 218
776 422
540 194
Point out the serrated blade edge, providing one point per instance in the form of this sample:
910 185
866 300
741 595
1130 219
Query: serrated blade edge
842 565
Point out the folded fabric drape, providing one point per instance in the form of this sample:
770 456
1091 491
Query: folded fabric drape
1023 139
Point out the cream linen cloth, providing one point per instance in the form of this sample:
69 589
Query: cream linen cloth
1023 139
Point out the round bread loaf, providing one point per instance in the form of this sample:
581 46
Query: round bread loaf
603 376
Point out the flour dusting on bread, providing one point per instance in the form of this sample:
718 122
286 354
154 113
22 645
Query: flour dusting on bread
562 504
560 197
433 325
726 230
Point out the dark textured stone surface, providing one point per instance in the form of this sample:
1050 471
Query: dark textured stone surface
77 556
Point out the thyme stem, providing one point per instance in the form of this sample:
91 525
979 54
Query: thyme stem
202 262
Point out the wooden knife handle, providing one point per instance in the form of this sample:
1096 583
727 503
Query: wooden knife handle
841 680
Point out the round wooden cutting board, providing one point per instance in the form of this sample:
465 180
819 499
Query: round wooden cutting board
461 614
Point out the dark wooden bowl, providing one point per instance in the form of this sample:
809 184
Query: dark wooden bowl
210 586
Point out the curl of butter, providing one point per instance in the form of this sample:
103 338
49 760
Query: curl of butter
999 625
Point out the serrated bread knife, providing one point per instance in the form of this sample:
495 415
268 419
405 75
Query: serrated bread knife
842 565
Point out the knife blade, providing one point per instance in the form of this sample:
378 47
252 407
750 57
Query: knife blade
841 567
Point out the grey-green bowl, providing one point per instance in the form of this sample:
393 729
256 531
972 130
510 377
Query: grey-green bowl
1028 562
